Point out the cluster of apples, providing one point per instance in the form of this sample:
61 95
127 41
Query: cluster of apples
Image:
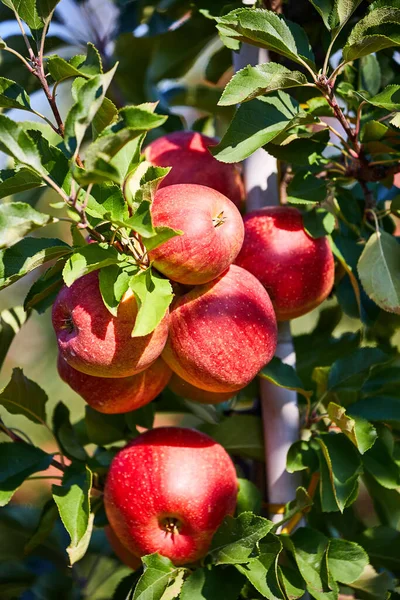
233 279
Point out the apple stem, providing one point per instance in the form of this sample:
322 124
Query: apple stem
281 422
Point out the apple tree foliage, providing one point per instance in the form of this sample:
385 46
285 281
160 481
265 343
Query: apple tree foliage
347 378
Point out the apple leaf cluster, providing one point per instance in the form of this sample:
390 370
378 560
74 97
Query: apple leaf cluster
333 126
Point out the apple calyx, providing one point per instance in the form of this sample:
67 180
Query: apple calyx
171 525
219 219
68 324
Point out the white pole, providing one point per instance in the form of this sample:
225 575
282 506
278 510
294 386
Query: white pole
279 406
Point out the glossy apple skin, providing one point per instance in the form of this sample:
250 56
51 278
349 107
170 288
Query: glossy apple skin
222 333
296 270
170 473
124 555
114 396
95 342
191 161
190 392
206 248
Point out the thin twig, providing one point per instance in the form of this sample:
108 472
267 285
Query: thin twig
26 40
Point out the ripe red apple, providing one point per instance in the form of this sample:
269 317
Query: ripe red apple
222 333
212 233
296 269
191 161
95 342
113 396
168 491
187 390
124 555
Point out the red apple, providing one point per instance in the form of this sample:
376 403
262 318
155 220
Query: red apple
124 555
212 233
187 390
168 491
95 342
222 333
191 161
112 396
296 269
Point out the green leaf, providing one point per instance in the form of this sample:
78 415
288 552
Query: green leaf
73 502
45 525
249 497
17 180
291 581
378 269
388 99
349 373
302 503
212 584
285 376
113 283
89 99
159 571
143 417
250 82
265 29
300 457
371 74
15 142
89 258
27 10
256 123
262 572
376 31
239 434
107 203
346 560
17 219
359 431
13 95
318 222
236 540
11 321
106 114
45 289
66 434
27 255
17 462
324 7
305 188
344 466
132 123
153 294
22 396
379 463
309 548
79 66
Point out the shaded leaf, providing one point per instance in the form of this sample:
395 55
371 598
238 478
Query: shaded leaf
262 572
378 269
158 573
22 396
249 497
13 95
66 435
239 434
45 525
346 560
283 375
13 181
113 283
214 584
11 321
17 462
305 188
